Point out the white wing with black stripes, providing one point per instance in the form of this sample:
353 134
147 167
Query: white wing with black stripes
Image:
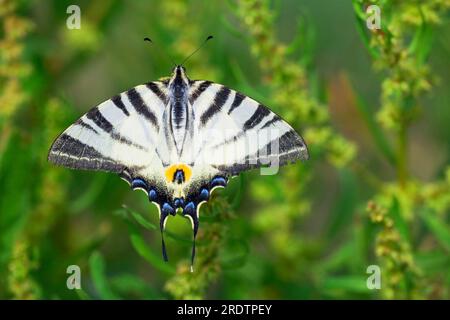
178 140
237 133
231 133
120 133
234 133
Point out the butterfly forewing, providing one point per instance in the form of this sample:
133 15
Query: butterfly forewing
120 134
237 133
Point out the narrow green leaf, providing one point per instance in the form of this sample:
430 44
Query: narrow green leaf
130 284
399 220
346 202
147 253
82 295
140 219
16 193
357 8
375 130
234 190
182 240
296 43
304 42
235 255
125 211
340 257
231 28
356 284
91 193
245 84
422 41
437 227
143 222
432 261
232 7
97 268
362 31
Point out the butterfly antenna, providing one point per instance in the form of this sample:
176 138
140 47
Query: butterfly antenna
195 51
162 52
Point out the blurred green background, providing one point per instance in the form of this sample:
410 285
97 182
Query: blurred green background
373 107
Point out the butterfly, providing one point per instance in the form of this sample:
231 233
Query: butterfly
177 140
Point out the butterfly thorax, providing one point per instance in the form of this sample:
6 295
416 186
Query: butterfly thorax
178 108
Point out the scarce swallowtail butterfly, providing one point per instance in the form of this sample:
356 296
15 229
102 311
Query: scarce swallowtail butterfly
177 140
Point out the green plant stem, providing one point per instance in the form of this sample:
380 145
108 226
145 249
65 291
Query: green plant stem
402 172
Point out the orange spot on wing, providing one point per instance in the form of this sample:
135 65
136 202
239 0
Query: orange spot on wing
170 172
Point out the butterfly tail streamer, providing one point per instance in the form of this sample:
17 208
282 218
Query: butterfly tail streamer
193 249
191 213
162 221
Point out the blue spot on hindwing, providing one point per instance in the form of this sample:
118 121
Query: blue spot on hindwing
138 183
167 209
218 181
189 209
204 195
178 202
152 195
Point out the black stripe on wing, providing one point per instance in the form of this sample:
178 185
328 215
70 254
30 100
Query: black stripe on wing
157 91
219 100
141 108
290 148
238 98
232 139
274 120
96 116
70 152
260 113
86 125
198 91
100 121
117 101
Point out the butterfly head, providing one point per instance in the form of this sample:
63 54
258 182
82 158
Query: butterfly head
179 75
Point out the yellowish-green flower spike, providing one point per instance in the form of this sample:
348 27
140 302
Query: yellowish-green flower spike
20 283
278 215
52 194
193 285
395 255
13 68
407 77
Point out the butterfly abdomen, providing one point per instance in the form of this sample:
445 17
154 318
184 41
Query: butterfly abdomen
179 113
179 116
